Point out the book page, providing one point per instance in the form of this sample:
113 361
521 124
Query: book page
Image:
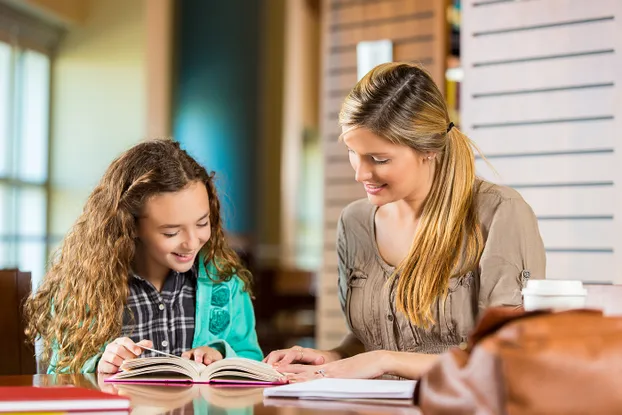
240 368
159 366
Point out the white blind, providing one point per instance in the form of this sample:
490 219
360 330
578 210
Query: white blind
541 97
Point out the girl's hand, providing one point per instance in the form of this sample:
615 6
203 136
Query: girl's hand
281 359
119 350
205 355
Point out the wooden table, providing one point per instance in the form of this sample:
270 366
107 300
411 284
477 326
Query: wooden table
204 399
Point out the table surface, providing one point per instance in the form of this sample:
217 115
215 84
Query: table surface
205 399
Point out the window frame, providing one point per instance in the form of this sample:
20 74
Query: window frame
24 32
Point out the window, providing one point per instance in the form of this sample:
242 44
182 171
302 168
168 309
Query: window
24 132
309 232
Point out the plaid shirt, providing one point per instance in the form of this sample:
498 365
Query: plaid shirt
166 317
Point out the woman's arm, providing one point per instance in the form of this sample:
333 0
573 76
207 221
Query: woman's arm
350 345
368 365
407 365
514 253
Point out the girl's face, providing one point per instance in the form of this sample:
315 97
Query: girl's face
174 227
389 172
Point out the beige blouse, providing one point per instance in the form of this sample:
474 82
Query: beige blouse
513 253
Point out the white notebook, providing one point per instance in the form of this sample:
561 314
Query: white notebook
329 388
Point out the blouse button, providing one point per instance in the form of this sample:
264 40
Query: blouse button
390 317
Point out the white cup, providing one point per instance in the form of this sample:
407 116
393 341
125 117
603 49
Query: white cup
557 295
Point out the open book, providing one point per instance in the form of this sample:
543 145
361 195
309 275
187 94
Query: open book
172 369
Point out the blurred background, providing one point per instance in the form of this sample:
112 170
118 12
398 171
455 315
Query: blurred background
252 89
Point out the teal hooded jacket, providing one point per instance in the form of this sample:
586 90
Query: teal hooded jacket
224 320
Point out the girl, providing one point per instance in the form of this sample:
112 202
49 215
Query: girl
146 264
430 248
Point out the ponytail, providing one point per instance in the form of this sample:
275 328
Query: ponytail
448 223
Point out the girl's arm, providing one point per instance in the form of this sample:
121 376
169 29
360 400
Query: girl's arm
90 366
241 339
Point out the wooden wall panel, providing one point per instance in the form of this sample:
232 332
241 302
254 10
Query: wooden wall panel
541 98
419 33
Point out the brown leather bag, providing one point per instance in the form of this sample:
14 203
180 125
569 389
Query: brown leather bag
530 363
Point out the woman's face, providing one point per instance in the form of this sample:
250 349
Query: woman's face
174 227
389 172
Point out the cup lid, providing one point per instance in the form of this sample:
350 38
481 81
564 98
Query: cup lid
554 287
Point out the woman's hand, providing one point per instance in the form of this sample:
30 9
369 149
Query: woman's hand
282 359
205 355
119 350
368 365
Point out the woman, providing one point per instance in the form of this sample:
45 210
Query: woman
145 265
430 248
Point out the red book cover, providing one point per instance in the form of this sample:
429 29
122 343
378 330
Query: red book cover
58 398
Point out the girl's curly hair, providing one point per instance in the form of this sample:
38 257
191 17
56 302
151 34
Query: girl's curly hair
79 305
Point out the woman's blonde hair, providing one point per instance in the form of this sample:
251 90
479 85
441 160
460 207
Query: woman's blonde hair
401 103
79 306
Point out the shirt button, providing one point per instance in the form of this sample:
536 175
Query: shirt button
161 306
390 317
164 343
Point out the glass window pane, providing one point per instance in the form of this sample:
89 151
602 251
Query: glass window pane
5 205
5 98
6 257
32 258
7 226
34 76
31 211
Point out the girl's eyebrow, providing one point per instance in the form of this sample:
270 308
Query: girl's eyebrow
177 226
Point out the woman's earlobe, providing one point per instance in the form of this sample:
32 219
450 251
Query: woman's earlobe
430 156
